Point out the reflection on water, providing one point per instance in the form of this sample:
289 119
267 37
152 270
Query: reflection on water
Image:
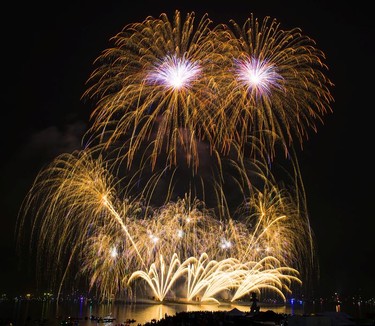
28 312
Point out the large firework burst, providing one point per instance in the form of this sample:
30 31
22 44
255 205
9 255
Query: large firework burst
275 86
156 85
83 214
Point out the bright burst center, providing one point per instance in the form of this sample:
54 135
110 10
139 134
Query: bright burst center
258 76
175 73
113 252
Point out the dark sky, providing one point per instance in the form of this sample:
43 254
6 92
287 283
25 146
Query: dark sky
48 53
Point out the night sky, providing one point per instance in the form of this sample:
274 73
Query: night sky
47 56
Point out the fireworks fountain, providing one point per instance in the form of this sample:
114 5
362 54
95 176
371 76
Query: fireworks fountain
175 194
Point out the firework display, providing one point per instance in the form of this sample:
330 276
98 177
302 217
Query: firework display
276 88
175 196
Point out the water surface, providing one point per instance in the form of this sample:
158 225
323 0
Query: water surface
31 312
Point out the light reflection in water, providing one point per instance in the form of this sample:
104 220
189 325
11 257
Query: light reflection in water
143 313
29 311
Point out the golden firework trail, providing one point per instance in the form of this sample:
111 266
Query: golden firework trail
205 280
116 240
275 85
156 86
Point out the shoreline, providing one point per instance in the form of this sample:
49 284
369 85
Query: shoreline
261 318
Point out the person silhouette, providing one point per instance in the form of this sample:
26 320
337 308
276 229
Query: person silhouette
254 306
